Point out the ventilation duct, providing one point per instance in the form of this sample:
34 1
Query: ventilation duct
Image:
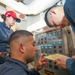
35 7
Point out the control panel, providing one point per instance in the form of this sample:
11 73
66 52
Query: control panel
52 42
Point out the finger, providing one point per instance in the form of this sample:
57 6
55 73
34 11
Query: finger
42 55
73 56
43 59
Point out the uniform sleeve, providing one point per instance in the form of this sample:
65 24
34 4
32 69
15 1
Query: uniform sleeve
71 8
34 72
70 63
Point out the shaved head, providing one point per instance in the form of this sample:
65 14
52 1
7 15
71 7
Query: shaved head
55 16
17 38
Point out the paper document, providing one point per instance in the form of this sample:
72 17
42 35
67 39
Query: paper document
54 56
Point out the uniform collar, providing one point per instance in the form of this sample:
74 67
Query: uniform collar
18 63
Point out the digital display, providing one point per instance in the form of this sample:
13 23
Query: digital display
59 32
49 34
45 46
54 43
45 35
60 42
50 47
54 33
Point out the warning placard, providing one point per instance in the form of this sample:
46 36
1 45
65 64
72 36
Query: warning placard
47 72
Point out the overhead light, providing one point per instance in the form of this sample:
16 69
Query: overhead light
37 25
